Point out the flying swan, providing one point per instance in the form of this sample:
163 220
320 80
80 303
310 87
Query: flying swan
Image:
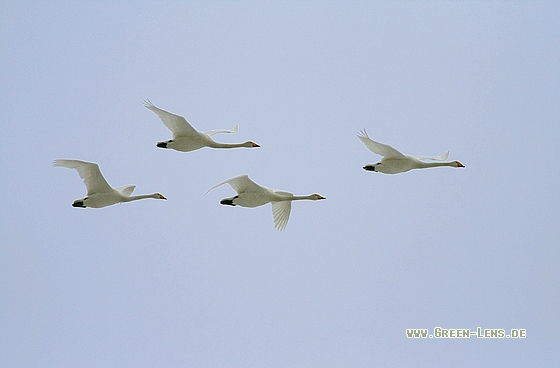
250 194
394 162
186 138
99 192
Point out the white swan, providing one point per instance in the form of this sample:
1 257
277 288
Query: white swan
394 162
250 194
186 138
99 192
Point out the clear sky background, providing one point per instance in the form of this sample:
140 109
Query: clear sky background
188 282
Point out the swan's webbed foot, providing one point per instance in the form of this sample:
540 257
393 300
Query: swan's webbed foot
228 201
369 167
78 204
162 145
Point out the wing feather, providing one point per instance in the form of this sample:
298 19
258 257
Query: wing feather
281 214
435 158
240 184
210 133
126 190
178 125
90 174
379 148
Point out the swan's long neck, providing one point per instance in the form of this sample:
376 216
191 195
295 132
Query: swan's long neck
297 198
215 144
137 197
423 164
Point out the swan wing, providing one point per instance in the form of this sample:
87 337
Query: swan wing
90 174
379 148
240 184
435 158
281 213
210 133
178 125
126 190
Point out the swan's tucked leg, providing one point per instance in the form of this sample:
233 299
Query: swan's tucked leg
78 203
369 167
162 144
228 201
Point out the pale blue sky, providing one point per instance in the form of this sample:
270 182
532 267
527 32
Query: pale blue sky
188 282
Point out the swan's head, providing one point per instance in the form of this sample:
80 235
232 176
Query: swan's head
458 164
316 197
158 196
250 144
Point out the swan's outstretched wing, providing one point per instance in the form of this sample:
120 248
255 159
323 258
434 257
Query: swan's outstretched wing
240 184
281 211
220 131
90 174
379 148
435 158
126 190
178 125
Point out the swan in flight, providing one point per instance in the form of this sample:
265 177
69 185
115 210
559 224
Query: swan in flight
99 193
250 194
186 138
394 162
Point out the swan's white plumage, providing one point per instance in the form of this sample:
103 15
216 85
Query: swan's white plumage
186 138
240 184
99 192
178 125
435 158
281 211
210 133
251 194
394 162
126 189
379 148
90 174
